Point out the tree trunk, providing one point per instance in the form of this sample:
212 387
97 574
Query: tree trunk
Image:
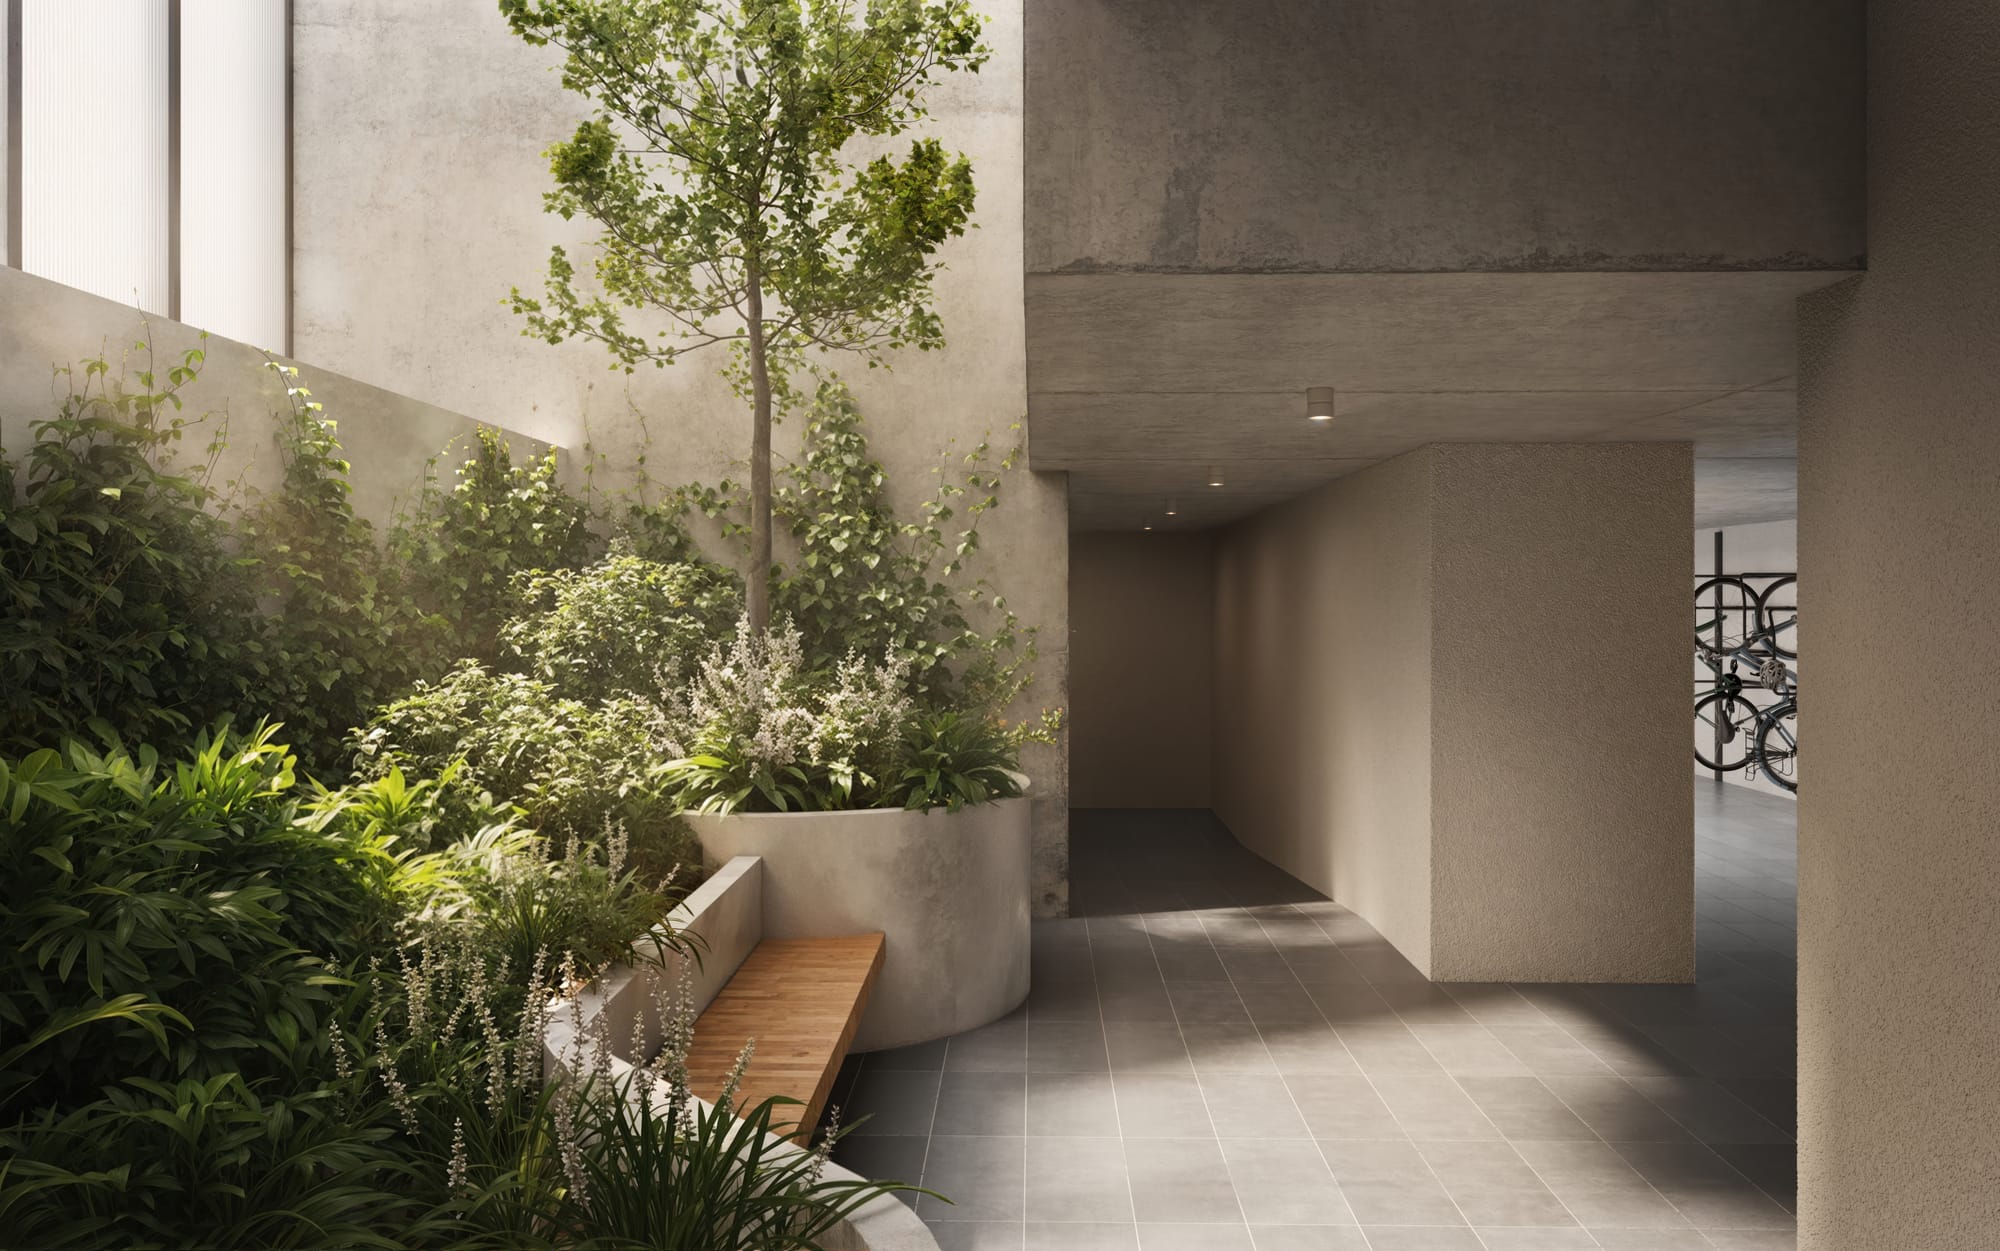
757 579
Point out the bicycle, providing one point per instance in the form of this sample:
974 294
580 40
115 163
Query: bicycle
1740 734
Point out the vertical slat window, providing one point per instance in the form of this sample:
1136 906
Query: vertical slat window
233 177
94 126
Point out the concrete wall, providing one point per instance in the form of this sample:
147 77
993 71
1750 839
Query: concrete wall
1765 547
418 191
1382 135
1141 630
1323 688
1411 718
388 438
1899 553
1562 824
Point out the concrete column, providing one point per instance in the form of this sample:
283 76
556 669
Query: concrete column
1452 693
1899 580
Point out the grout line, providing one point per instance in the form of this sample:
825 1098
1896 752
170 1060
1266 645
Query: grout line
1111 1079
1215 1135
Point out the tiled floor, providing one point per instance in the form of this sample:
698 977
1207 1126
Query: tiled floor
1216 1058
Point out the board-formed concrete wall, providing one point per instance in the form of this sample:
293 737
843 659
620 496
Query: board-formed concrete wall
1451 692
419 182
1415 135
1142 617
388 439
1899 579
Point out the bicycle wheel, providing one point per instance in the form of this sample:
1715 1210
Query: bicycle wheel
1778 612
1732 718
1725 609
1778 745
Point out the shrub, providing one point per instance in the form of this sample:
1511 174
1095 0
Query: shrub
463 547
613 628
759 730
119 601
572 767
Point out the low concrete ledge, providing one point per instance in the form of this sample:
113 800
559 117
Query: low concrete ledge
948 890
725 918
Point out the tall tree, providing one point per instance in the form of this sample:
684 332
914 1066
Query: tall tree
727 161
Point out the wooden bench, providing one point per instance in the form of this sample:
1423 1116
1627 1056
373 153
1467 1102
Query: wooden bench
801 1000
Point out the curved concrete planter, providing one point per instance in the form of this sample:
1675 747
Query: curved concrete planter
948 890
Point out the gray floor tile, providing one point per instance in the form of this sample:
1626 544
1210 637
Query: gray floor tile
1343 1108
1077 1179
1420 1238
1308 1238
1066 1047
926 1057
1180 1180
984 1179
1433 1107
1001 1047
1656 1240
976 1235
982 1103
1387 1182
1207 1003
1068 999
1493 1185
1251 1105
1599 1187
1308 1047
1708 1191
1525 1108
1469 1051
1237 1048
1549 1051
1528 1238
1388 1049
1071 1105
1083 1236
1347 1003
1161 1106
1615 1110
1147 1047
1164 1236
1284 1182
1706 1110
893 1102
885 1157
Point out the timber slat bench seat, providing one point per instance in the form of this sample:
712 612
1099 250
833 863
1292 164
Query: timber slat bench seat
801 999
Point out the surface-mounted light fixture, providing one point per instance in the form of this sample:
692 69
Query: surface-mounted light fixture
1319 403
1215 475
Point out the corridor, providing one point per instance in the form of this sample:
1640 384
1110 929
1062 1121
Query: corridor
1216 1058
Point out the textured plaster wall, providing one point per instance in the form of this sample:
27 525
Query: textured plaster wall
1322 693
418 192
1899 554
1562 823
1141 630
1409 719
1268 135
387 438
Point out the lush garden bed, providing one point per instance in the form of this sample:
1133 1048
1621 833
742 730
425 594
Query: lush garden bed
307 827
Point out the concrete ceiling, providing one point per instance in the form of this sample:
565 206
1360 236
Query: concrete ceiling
1141 384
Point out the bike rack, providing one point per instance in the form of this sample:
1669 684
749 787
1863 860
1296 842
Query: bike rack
1753 578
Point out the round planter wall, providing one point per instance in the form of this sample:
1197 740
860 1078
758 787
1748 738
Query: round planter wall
948 891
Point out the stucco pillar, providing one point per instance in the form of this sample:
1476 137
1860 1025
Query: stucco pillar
1562 822
1899 583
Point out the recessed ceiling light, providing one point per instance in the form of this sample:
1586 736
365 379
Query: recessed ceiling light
1173 509
1149 527
1215 475
1319 403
